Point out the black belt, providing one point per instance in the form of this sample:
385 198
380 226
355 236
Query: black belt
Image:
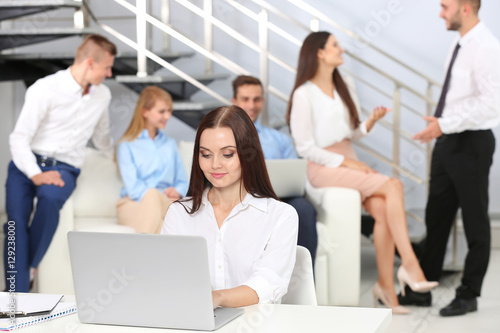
468 132
46 161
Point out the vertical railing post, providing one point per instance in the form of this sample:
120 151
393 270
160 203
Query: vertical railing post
81 18
207 6
263 62
149 27
314 25
165 18
396 120
141 38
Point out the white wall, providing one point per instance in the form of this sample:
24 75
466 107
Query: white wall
409 29
6 125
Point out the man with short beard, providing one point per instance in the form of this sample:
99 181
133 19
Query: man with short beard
469 107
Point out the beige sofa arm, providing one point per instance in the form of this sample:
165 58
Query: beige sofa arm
339 229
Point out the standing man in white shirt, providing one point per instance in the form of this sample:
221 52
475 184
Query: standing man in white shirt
61 113
469 107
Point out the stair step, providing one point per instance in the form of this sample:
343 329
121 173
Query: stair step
175 85
32 66
71 55
183 106
192 113
10 9
165 79
21 37
126 63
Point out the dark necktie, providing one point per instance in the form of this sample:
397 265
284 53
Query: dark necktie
442 98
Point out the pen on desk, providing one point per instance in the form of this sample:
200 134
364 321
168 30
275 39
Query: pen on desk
9 314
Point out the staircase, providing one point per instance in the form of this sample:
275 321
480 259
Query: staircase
30 66
20 8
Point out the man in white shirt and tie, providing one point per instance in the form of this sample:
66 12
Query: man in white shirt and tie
61 112
469 107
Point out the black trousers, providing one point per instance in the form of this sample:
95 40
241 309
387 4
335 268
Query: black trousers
459 178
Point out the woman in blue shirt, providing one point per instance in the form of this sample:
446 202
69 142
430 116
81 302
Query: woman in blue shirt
150 165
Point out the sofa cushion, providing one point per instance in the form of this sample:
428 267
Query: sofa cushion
98 186
103 224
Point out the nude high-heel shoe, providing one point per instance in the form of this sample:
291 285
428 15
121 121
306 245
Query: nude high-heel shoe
418 287
379 294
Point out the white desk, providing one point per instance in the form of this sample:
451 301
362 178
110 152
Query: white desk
265 318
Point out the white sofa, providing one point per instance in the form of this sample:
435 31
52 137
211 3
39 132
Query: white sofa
92 208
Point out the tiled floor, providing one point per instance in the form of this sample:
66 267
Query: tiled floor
427 320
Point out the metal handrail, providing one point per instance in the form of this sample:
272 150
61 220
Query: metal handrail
384 159
297 42
226 63
318 14
391 78
272 27
235 34
404 135
382 92
153 56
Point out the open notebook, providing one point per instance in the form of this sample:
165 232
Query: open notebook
39 308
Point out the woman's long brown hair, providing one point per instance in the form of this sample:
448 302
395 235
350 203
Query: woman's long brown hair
307 67
253 166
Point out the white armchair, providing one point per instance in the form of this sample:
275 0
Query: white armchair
338 262
92 208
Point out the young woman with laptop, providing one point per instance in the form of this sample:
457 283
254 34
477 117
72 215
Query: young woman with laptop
251 235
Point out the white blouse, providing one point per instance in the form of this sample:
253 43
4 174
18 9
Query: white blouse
318 121
255 245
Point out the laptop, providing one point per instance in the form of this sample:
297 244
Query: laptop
288 176
144 280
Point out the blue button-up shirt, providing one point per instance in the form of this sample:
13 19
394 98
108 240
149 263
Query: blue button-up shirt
275 145
146 163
